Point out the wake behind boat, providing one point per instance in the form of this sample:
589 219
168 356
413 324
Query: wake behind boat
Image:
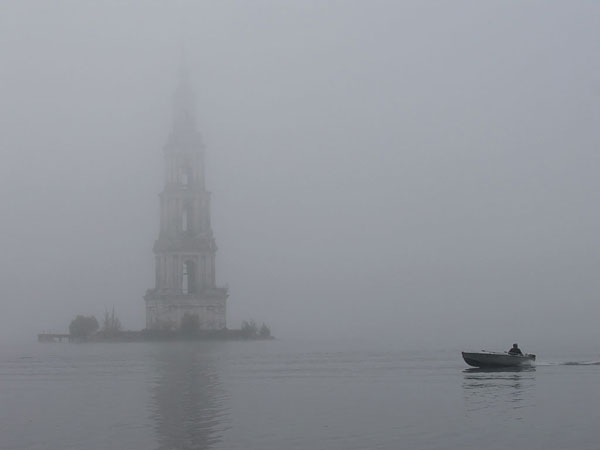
497 359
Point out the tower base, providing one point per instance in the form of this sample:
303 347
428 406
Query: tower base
165 311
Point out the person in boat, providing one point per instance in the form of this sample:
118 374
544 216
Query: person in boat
515 350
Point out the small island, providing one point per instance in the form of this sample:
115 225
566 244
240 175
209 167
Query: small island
87 329
185 300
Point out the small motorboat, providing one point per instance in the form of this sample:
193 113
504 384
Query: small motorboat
497 359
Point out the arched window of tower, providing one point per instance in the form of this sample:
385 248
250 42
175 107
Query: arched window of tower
204 271
186 176
187 218
183 177
188 279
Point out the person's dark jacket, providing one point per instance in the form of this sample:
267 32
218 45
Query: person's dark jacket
515 351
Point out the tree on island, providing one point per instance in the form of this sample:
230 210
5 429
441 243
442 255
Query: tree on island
82 327
265 331
111 324
249 329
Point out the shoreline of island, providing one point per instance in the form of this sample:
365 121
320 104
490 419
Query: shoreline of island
156 336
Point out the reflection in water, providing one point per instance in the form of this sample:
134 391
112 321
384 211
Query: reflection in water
492 388
189 402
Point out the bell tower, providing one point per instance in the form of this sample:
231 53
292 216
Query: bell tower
185 249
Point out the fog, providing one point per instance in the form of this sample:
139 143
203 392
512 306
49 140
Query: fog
411 172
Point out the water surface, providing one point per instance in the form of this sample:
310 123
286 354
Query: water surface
287 395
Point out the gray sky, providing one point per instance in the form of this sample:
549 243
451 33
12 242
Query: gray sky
421 171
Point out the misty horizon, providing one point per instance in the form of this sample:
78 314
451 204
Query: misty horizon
424 173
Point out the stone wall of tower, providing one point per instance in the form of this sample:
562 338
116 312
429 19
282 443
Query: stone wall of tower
185 250
163 313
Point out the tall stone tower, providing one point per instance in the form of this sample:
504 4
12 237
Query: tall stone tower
185 249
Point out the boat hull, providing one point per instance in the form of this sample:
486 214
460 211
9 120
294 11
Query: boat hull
491 359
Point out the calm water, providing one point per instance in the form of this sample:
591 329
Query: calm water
286 395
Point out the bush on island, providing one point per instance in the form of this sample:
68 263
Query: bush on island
249 329
111 325
265 331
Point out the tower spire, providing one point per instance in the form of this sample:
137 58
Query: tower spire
184 100
183 63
